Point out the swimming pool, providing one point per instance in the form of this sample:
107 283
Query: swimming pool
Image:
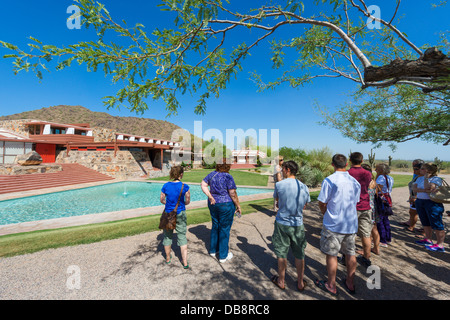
105 198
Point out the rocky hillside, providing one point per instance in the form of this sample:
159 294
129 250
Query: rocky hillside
76 114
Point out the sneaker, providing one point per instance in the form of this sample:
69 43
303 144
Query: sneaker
435 248
424 242
230 255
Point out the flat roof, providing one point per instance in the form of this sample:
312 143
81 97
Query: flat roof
85 127
6 135
64 125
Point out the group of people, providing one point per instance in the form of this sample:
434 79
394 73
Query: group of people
430 213
353 202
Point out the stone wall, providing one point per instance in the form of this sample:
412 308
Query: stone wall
103 134
15 169
17 126
126 164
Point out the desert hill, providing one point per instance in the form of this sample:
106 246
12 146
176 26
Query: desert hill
77 114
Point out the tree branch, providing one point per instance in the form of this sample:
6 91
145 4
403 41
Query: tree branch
389 25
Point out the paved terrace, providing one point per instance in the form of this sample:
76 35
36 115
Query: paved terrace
134 267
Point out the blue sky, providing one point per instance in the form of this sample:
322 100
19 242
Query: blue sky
239 106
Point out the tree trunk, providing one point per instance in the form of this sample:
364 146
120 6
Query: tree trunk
433 64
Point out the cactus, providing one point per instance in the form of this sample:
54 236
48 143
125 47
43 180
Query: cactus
371 158
390 161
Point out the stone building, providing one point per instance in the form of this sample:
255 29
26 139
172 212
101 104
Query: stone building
116 154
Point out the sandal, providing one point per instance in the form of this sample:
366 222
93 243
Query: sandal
322 285
186 266
305 284
344 283
409 230
274 279
170 260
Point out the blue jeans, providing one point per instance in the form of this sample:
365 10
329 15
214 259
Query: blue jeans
222 215
430 213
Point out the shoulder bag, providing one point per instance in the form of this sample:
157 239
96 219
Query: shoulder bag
168 220
383 201
442 194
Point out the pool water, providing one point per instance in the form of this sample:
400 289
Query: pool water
106 198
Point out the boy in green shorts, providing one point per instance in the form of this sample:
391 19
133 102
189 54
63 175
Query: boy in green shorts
289 232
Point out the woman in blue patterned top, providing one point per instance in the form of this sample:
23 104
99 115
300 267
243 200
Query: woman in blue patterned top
223 203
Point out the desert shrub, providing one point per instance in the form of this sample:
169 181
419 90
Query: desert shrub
209 165
321 165
305 174
314 165
312 177
323 155
291 153
445 167
401 164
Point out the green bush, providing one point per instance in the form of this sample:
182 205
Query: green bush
209 166
323 155
312 177
314 165
401 164
305 174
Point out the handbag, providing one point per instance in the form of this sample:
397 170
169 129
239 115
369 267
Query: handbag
383 202
382 206
168 220
442 194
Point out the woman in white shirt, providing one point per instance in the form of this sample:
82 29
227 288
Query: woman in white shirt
430 212
384 189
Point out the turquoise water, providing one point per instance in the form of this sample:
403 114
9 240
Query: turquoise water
106 198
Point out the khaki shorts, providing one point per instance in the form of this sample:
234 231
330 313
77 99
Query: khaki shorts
180 229
365 223
331 243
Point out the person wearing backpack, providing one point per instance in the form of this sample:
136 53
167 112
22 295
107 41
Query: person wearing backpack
292 197
384 188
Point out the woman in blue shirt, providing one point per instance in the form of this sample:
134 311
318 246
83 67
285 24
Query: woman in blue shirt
169 196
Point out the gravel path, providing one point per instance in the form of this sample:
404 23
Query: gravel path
134 268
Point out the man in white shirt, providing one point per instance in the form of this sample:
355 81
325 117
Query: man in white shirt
338 197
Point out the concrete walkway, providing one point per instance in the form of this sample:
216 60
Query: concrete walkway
134 267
